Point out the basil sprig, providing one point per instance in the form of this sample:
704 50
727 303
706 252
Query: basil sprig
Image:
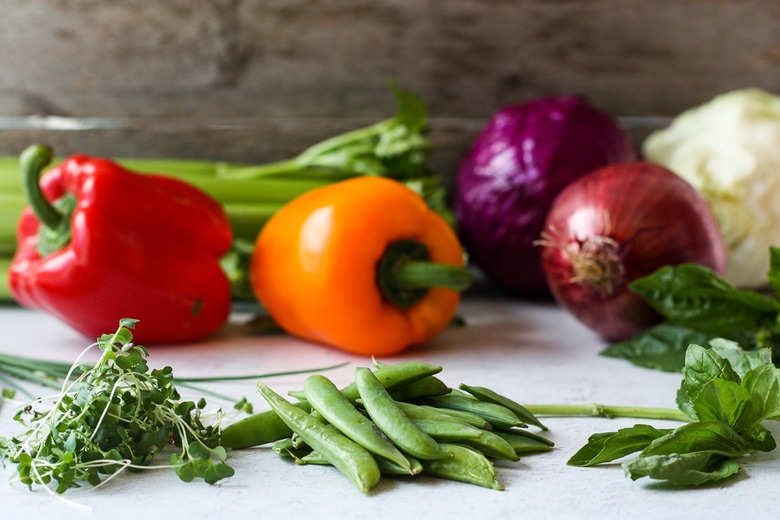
727 393
698 305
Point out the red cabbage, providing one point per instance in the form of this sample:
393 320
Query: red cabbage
526 154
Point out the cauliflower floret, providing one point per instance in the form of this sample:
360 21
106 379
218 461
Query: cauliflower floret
729 150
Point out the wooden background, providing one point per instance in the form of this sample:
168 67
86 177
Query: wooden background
257 80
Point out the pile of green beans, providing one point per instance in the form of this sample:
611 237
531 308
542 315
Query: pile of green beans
393 420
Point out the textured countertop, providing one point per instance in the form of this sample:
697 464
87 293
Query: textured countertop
534 353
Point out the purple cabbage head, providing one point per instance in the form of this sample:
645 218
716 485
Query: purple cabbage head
522 159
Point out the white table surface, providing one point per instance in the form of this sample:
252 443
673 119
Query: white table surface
532 352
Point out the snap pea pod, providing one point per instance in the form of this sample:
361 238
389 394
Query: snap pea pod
336 409
466 465
285 449
387 467
427 387
421 411
491 396
257 429
523 443
312 457
448 431
393 377
498 416
351 459
386 414
493 446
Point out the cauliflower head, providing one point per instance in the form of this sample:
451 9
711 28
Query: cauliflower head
729 150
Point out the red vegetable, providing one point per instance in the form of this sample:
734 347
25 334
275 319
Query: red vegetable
522 159
100 243
617 224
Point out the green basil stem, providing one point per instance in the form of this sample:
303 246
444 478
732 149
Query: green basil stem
609 412
33 160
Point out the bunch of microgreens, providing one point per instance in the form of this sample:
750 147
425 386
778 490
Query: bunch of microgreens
112 415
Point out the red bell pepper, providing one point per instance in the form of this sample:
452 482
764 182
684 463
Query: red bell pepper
99 243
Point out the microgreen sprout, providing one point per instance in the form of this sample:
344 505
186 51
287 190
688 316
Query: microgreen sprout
113 415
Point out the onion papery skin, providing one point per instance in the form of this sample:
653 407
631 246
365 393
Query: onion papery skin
523 157
640 217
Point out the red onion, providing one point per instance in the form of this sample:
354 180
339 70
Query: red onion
525 155
617 224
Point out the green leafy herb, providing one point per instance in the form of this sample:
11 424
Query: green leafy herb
699 306
115 414
726 393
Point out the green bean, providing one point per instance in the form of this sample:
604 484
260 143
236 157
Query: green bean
488 395
498 416
391 419
422 411
493 446
347 456
326 399
427 387
393 377
466 465
449 431
523 443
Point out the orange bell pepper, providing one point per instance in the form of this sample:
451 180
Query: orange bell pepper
363 265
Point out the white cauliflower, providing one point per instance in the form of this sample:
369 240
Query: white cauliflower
729 150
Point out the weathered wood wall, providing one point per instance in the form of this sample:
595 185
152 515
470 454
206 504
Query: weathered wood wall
296 70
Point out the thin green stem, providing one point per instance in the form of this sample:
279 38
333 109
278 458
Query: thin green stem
609 412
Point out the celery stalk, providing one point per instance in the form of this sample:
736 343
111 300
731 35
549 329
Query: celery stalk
5 291
251 194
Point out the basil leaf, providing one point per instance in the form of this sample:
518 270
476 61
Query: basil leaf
763 383
711 437
759 438
702 365
606 447
725 401
696 297
741 360
661 347
684 469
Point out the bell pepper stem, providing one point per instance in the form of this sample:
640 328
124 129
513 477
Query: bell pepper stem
33 160
405 273
415 274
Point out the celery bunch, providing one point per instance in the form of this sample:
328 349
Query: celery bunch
396 147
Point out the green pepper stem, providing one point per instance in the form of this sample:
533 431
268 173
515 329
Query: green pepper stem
417 274
33 160
405 274
610 412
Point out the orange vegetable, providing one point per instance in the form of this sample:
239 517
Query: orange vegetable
362 264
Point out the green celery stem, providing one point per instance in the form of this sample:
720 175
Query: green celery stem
5 290
33 160
610 412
